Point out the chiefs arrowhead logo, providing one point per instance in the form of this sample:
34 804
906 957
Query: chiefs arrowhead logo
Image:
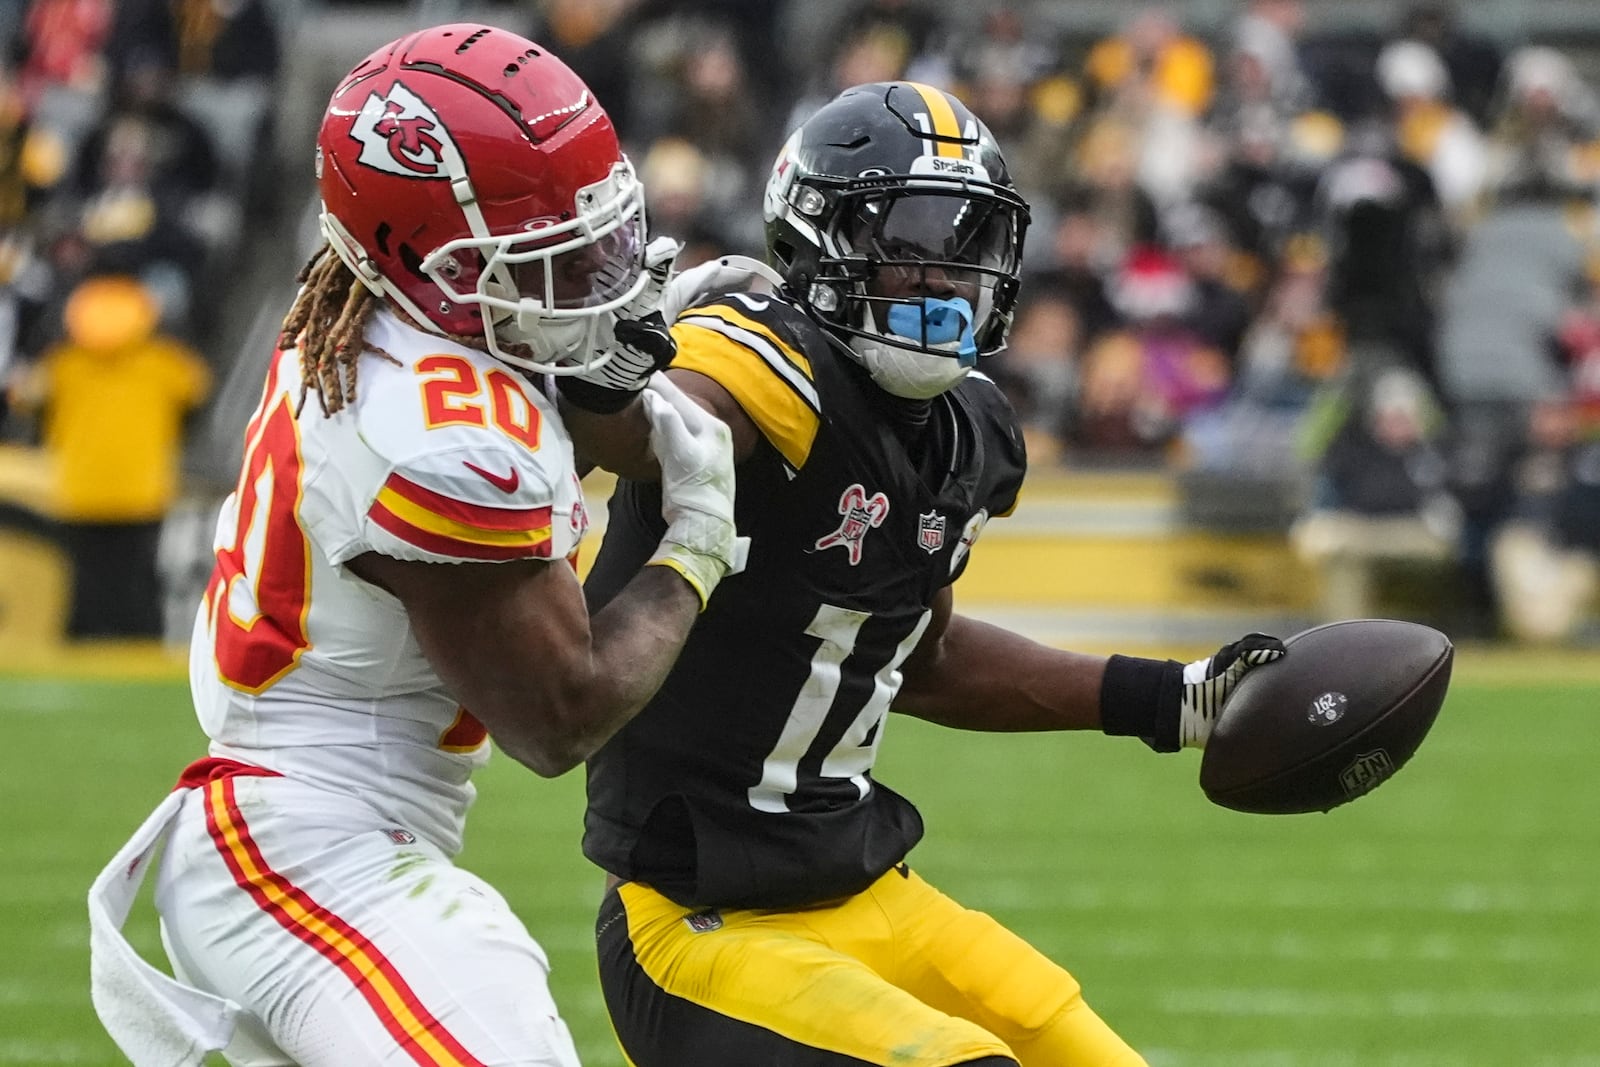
400 134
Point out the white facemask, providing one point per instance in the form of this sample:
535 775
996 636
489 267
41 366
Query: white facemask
558 340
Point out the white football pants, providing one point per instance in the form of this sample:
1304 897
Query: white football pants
346 939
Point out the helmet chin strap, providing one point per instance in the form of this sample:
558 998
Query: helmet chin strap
938 348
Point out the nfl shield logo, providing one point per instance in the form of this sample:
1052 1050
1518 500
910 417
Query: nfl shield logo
703 922
1366 773
930 531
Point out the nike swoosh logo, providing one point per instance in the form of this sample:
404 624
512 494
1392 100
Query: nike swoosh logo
506 483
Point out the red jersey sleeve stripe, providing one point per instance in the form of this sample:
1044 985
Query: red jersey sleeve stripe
379 982
537 545
479 515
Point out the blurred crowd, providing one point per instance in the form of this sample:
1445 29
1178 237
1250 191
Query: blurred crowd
1356 271
135 143
133 137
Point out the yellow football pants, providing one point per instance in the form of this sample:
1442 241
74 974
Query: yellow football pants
899 975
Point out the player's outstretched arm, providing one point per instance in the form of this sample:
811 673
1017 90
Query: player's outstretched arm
975 676
972 675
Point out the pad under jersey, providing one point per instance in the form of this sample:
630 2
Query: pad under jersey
747 780
296 665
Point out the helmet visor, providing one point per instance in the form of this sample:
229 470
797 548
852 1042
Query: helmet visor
586 276
922 226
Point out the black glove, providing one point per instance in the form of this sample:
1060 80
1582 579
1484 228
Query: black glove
1207 683
1171 705
643 343
644 346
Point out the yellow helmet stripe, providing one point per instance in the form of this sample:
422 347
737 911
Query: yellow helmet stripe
943 118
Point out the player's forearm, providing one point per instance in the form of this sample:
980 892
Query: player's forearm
514 643
635 639
983 677
618 443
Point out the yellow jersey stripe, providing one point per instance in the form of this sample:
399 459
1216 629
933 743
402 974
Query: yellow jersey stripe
761 329
774 354
779 405
434 523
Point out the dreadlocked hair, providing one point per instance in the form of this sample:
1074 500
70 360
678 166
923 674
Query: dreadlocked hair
328 321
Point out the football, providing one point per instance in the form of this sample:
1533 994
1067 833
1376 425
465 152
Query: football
1330 721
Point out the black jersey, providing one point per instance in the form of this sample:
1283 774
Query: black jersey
747 780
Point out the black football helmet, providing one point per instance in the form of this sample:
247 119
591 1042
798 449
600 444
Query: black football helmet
891 215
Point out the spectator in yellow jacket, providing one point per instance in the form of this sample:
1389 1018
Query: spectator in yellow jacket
114 394
1153 62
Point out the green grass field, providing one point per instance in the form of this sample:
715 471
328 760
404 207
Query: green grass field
1452 918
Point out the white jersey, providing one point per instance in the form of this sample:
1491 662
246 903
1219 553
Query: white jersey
445 455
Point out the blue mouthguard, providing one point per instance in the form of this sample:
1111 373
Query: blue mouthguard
936 322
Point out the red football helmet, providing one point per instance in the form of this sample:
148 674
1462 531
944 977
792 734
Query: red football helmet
470 178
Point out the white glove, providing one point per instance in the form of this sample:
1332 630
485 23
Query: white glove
1207 683
714 277
695 451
